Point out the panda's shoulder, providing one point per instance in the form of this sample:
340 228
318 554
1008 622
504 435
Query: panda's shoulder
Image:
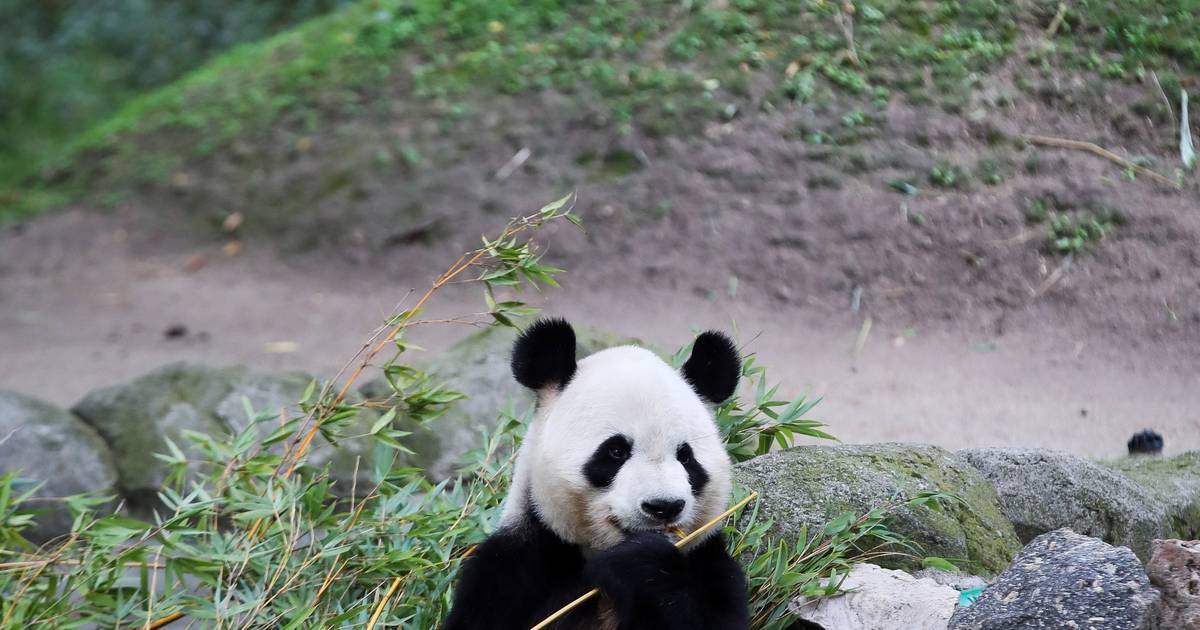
528 542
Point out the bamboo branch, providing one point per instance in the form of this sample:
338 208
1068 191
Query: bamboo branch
383 602
679 545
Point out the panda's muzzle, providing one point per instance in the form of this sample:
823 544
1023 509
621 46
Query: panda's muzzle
664 510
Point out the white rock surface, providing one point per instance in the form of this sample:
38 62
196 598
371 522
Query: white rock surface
881 599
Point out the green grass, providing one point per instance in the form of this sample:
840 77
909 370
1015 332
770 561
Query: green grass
659 67
664 67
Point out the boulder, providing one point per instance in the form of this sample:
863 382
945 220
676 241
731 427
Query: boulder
478 367
43 443
880 599
810 485
1042 490
1066 580
1174 569
1176 482
136 418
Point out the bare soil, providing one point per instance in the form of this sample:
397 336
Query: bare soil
978 333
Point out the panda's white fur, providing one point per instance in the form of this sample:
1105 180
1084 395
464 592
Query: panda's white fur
629 391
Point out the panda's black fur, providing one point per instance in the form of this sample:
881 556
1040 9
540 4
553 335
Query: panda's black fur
524 572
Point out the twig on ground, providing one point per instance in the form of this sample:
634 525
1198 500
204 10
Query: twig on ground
845 21
1091 147
1052 30
513 163
1166 99
1054 277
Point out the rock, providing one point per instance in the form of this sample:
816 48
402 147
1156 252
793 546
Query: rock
477 366
1174 569
1043 490
956 581
44 443
880 599
810 485
136 418
1065 580
1176 482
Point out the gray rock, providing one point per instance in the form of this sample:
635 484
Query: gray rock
41 442
1176 482
1042 490
478 367
1066 580
880 599
135 419
1174 569
956 581
810 485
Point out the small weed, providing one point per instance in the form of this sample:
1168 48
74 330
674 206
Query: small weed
944 175
1069 233
989 172
904 186
845 78
1037 210
855 119
411 156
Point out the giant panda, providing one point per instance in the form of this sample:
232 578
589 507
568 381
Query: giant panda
621 449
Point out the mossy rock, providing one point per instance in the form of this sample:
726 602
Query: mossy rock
807 486
1176 482
478 367
137 418
43 443
1128 503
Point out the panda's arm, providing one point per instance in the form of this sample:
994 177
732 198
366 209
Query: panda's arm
653 585
513 580
721 584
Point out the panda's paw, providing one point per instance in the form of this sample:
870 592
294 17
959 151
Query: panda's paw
643 559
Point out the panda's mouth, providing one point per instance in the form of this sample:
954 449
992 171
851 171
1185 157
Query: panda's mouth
665 530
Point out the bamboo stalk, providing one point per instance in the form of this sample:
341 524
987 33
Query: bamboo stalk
383 602
158 623
678 545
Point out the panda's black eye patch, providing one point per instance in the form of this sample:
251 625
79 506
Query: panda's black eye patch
601 468
697 476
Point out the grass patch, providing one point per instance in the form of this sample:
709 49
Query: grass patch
660 67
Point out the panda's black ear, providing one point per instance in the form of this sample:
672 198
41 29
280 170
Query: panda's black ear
714 367
544 355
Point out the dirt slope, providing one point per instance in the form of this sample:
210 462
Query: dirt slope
1015 294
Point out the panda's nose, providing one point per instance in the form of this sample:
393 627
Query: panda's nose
663 509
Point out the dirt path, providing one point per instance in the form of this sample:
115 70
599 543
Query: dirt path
81 308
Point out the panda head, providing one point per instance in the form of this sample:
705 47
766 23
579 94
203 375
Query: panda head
621 441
